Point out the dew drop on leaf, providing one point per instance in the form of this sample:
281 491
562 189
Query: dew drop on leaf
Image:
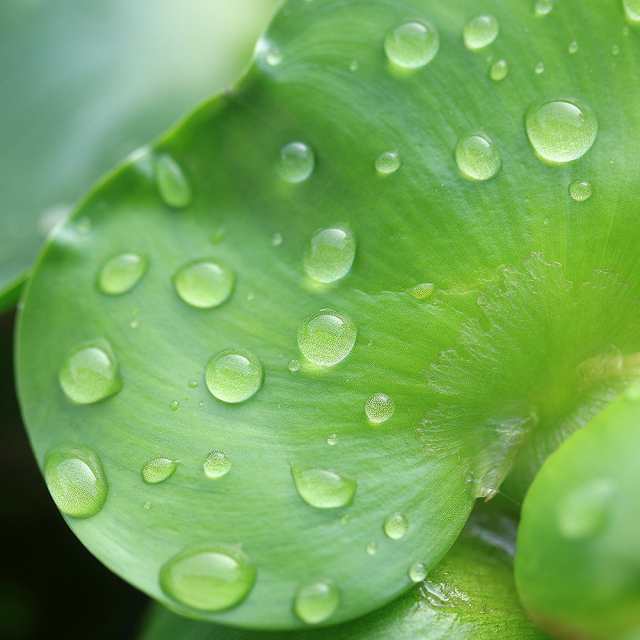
387 163
561 131
297 162
372 548
543 7
477 157
330 254
322 488
396 526
204 284
583 512
76 481
172 184
233 376
632 10
332 439
422 291
158 470
499 70
174 405
539 68
379 408
90 374
412 45
327 337
480 32
580 190
212 578
293 366
417 572
573 47
121 273
314 603
216 465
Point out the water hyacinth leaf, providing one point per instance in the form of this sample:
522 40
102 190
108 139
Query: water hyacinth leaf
513 347
69 113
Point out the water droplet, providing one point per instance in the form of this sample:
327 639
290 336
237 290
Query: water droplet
76 481
332 439
396 526
615 50
314 603
174 405
379 408
478 157
158 470
330 254
421 291
417 572
90 374
216 465
387 163
632 10
327 337
211 578
297 162
233 376
580 190
121 273
561 131
273 56
573 47
147 506
543 7
135 323
353 65
480 32
539 68
322 488
412 45
192 384
499 70
372 548
294 366
583 512
276 239
172 183
204 284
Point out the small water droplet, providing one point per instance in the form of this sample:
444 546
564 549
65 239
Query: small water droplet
211 578
478 157
345 519
353 65
233 376
480 32
192 384
499 70
539 68
396 526
583 512
90 374
372 548
615 50
580 190
387 163
147 506
204 284
332 439
543 7
561 131
573 47
135 323
412 45
330 254
417 572
379 408
327 337
174 405
172 184
322 488
276 239
421 291
314 603
76 481
294 366
158 470
297 162
121 273
273 56
632 10
216 465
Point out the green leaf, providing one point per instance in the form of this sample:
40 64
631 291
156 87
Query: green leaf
579 542
84 86
470 595
402 401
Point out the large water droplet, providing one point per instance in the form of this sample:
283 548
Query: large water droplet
543 7
478 157
158 470
314 603
90 374
172 184
322 488
499 70
330 254
480 32
584 511
297 162
387 163
121 273
396 526
632 10
76 481
412 45
327 337
561 131
211 578
417 572
216 465
233 376
580 190
204 283
379 408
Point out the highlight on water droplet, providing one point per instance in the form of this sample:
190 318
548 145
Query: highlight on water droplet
327 337
421 291
573 47
480 32
216 465
499 70
561 131
208 578
76 481
323 488
412 45
632 10
477 157
332 439
543 7
90 374
121 273
417 572
233 376
584 511
158 470
204 284
396 526
316 602
174 405
172 184
379 408
580 190
297 162
330 254
539 68
387 163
